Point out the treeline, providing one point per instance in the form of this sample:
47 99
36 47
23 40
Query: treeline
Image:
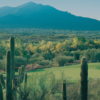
52 53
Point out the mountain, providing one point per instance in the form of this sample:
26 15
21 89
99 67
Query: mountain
32 15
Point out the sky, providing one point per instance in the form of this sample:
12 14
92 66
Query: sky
84 8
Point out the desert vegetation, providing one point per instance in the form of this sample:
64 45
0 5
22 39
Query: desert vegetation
52 49
52 54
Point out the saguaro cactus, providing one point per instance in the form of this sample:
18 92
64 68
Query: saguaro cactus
64 96
21 73
8 77
11 87
84 79
2 83
1 92
20 78
25 81
12 47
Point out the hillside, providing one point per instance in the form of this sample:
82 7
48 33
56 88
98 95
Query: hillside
32 15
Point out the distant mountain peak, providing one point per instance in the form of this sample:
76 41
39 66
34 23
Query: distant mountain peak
33 15
28 4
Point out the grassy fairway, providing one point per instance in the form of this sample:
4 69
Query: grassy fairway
71 72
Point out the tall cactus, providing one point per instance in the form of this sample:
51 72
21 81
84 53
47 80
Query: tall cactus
8 77
64 96
84 79
2 83
12 47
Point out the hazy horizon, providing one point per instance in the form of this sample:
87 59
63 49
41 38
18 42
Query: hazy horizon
84 8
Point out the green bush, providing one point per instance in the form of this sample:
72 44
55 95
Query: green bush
43 62
2 64
33 60
66 53
1 56
17 51
46 55
19 60
35 55
98 56
61 60
76 54
91 54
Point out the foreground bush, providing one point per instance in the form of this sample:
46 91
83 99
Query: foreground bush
44 87
47 87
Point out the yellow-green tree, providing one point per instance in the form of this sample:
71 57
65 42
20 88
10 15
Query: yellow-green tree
59 47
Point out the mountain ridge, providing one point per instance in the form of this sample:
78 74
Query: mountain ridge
32 15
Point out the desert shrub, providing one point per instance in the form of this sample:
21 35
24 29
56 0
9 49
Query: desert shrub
33 60
54 64
1 56
46 55
28 56
2 64
87 53
98 56
70 54
19 60
2 50
43 62
66 53
35 55
61 60
44 88
24 53
17 51
76 54
91 54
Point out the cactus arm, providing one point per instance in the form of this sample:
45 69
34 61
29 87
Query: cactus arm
25 81
14 94
64 96
2 80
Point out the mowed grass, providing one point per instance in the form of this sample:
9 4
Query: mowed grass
70 73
